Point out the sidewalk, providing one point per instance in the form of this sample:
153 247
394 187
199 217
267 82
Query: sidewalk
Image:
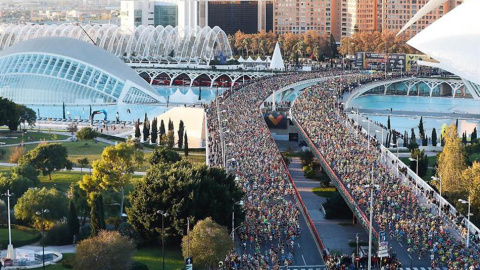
335 234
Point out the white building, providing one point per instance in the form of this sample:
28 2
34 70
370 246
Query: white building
135 13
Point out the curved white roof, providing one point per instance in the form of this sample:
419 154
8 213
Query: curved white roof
80 51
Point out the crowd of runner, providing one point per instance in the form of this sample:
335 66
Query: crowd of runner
271 227
405 215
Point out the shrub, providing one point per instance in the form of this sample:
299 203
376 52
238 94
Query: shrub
17 153
59 235
2 153
68 262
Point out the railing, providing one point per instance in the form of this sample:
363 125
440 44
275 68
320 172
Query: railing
207 135
337 182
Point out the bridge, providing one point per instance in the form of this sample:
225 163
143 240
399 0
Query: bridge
195 76
442 87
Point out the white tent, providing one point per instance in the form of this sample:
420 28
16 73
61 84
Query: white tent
250 60
259 60
241 60
277 60
454 41
189 97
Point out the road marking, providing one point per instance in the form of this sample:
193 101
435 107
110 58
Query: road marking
305 263
414 268
400 244
422 268
298 245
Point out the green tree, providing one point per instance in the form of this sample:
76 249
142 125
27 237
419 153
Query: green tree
185 144
79 198
97 216
154 134
137 129
83 162
86 134
388 123
162 133
473 136
187 191
333 46
170 125
114 251
209 243
412 137
405 139
47 158
25 171
16 185
34 200
72 219
27 115
422 162
420 128
181 129
170 139
164 155
146 128
434 137
394 138
451 161
464 138
471 184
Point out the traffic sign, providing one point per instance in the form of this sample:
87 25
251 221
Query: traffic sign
189 263
383 236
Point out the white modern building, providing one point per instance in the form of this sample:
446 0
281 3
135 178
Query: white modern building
56 70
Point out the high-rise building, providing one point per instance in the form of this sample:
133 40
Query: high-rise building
145 12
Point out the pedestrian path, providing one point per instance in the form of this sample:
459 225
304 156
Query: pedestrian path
423 268
305 267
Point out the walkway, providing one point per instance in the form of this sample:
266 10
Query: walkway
335 236
423 113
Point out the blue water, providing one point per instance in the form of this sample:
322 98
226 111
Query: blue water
133 112
420 104
416 103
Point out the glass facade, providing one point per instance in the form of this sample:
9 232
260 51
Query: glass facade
38 78
165 15
234 16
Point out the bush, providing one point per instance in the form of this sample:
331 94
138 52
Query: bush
308 172
127 230
68 262
17 153
59 235
2 153
336 207
139 266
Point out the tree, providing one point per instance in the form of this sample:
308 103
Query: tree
394 140
162 132
471 181
83 162
434 137
420 128
34 200
27 115
146 128
79 198
137 129
209 243
86 134
181 129
170 125
333 46
72 219
405 139
388 123
170 139
16 153
473 136
47 158
164 155
424 139
97 216
185 144
154 134
187 190
451 161
464 138
16 184
114 251
422 162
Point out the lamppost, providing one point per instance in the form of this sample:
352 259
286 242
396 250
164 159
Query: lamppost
10 251
40 213
164 215
413 159
233 218
370 231
368 133
468 218
439 199
358 255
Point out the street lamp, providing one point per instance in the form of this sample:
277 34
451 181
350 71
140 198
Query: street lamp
468 218
164 215
10 251
368 134
233 218
439 199
370 231
40 213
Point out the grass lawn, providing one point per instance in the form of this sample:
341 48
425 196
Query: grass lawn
18 237
151 256
61 180
16 137
326 192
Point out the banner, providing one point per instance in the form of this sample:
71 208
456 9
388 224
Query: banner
411 61
375 61
396 62
359 59
276 120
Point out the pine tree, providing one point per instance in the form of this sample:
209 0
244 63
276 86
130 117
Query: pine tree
405 139
180 134
170 125
473 136
162 132
464 138
146 128
424 139
412 137
420 128
442 141
170 139
154 134
388 123
434 137
137 129
456 124
185 144
72 219
97 218
395 138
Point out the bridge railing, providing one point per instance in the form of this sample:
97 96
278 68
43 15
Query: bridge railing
337 182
